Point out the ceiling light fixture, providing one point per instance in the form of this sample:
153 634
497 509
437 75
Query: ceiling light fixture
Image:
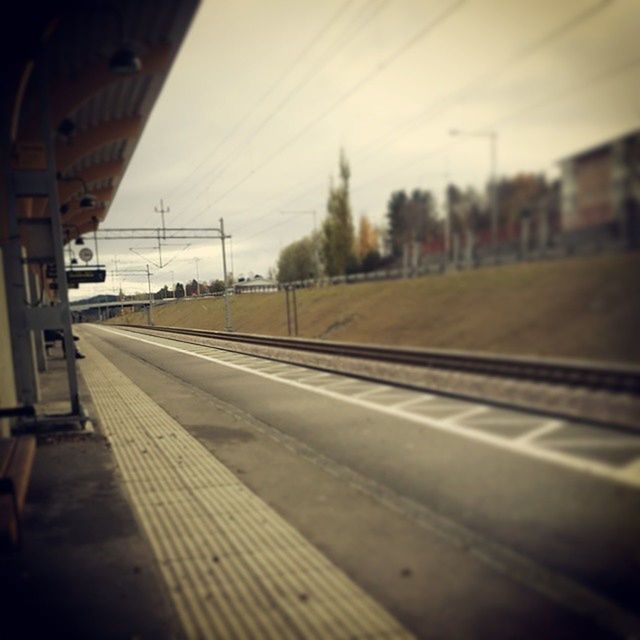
125 62
67 128
87 201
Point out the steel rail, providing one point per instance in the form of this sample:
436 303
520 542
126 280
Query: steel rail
610 377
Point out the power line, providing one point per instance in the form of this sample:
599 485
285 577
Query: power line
454 98
298 59
480 83
381 66
333 50
553 96
362 18
604 75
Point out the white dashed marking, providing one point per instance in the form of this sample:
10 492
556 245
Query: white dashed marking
629 475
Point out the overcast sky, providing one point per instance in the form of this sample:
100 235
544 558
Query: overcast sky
263 95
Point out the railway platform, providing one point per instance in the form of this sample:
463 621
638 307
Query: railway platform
134 529
221 494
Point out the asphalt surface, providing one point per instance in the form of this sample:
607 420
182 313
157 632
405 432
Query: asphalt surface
456 535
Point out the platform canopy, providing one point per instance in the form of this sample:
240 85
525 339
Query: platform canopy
105 64
78 81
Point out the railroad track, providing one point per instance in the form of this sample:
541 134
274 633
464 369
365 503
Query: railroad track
609 377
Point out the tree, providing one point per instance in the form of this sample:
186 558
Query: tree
161 294
191 288
337 228
367 238
519 197
371 261
411 219
179 290
216 286
297 261
395 214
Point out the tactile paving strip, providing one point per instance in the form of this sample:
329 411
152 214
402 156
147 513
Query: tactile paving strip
234 568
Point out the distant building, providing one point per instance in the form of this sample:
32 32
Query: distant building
255 284
601 187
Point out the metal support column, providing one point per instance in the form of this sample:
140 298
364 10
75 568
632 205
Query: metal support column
35 298
295 311
228 324
16 290
57 237
286 297
149 310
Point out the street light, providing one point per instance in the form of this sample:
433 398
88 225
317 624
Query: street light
492 136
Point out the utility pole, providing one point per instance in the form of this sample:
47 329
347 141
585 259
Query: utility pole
149 315
95 240
196 260
228 326
142 233
162 211
494 191
492 136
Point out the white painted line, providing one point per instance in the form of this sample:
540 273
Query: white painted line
373 391
233 567
338 383
632 472
413 401
522 420
263 365
279 367
242 360
547 427
223 355
522 447
467 413
596 443
316 376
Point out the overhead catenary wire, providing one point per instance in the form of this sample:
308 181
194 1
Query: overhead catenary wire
332 51
298 59
603 75
439 19
553 96
442 105
335 46
481 83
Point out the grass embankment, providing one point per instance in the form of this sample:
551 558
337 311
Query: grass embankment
578 308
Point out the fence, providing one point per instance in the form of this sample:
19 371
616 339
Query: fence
474 253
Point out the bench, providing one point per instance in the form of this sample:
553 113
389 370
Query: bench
16 462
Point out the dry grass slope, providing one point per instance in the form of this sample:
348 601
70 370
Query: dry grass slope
578 308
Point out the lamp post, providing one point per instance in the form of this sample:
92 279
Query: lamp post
492 136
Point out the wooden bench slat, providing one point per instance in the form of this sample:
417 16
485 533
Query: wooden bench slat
6 447
16 462
20 467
